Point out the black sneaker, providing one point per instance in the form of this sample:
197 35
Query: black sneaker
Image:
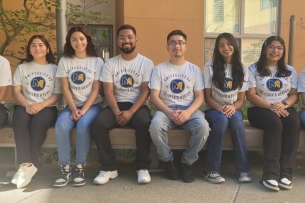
78 175
170 170
187 173
213 177
285 183
66 176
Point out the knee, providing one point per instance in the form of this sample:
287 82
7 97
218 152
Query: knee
201 127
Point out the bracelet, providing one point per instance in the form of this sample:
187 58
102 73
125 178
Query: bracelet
235 106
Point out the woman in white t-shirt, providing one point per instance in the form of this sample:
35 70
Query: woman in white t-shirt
272 94
79 71
301 90
225 81
36 91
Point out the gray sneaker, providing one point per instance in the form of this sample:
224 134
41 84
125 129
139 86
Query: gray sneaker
214 177
244 177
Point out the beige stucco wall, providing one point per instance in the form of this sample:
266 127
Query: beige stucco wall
294 7
153 21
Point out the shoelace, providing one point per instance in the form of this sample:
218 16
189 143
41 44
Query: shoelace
104 173
244 174
214 175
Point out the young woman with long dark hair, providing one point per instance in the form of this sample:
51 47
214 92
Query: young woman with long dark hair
272 94
225 80
36 91
79 71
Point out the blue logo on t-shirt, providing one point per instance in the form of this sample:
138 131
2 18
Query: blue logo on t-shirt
274 84
78 77
38 83
126 81
228 85
177 86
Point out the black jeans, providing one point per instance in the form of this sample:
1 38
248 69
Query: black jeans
106 121
3 116
30 132
281 141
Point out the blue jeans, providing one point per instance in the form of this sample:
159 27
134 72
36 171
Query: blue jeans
63 127
219 123
302 118
196 125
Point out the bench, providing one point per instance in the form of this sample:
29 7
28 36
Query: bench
124 138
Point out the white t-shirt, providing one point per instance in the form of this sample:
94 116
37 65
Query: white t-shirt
177 83
272 88
38 82
81 74
127 76
228 96
301 84
5 73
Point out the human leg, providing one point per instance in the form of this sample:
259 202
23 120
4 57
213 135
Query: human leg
100 127
290 143
272 141
140 121
39 125
3 116
198 126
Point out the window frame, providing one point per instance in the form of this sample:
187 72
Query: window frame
240 35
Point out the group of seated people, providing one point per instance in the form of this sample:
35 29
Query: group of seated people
177 88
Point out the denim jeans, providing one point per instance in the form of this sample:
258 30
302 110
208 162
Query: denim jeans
302 118
196 125
219 123
63 127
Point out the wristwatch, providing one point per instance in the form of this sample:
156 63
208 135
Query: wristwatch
285 103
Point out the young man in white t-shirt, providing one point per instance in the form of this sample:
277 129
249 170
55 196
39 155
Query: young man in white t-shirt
5 81
177 91
125 80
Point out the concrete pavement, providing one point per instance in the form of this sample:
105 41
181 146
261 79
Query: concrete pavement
126 189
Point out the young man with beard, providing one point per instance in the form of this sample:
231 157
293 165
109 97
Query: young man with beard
125 80
177 91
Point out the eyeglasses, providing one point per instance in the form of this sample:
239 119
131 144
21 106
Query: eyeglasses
129 37
273 48
174 43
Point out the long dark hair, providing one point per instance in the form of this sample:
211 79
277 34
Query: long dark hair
90 49
219 63
261 65
49 57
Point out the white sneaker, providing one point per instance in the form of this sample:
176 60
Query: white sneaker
25 175
271 184
143 176
104 176
16 176
285 183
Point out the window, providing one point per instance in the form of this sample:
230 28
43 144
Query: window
218 11
102 37
246 21
267 4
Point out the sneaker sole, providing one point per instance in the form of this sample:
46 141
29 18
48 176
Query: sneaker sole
270 186
285 186
63 185
245 180
144 181
79 184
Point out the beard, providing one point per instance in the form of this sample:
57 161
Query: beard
127 50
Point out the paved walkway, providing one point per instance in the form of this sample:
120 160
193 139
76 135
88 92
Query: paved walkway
126 189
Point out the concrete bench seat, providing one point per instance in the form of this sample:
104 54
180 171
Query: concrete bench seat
124 138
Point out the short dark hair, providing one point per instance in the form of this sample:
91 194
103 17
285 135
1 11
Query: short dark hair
90 49
126 27
49 57
176 32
